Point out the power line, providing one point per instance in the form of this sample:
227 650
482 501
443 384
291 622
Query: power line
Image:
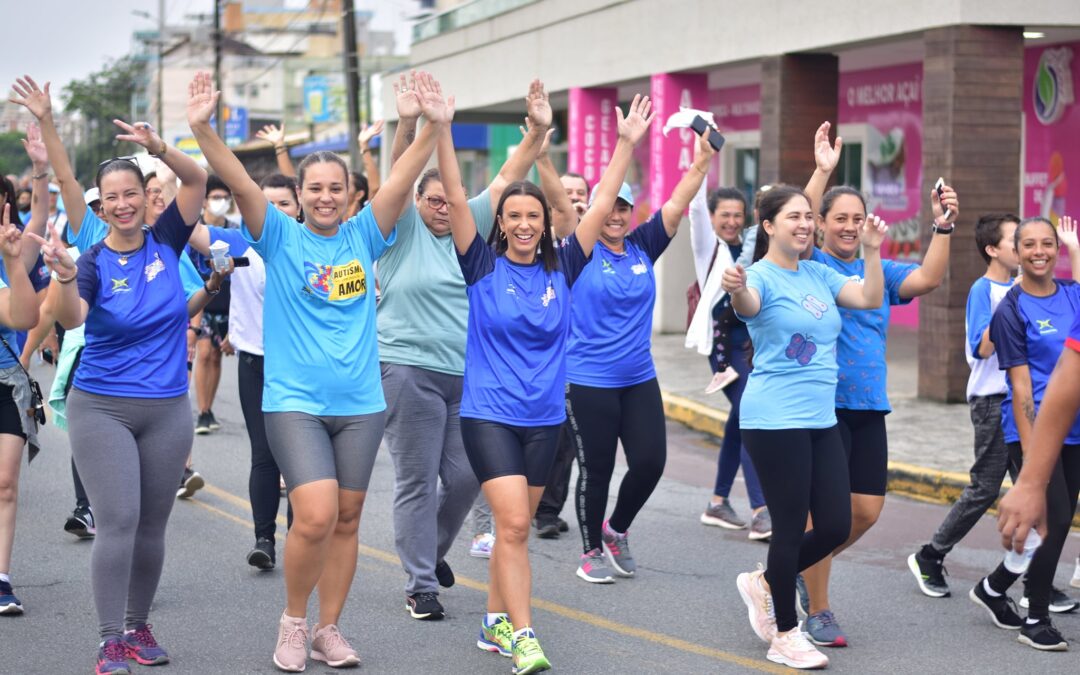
275 62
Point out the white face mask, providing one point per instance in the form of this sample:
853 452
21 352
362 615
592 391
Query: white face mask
219 207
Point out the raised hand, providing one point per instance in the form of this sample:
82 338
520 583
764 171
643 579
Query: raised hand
54 252
1067 233
141 133
948 198
434 107
368 132
35 148
272 134
734 280
633 126
825 155
10 236
537 106
547 136
202 99
703 151
408 100
32 97
873 231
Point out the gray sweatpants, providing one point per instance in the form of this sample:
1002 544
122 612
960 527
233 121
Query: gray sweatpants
130 453
435 486
987 473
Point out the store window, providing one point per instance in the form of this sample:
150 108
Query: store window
849 169
747 164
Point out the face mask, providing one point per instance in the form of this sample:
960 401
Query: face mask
24 209
219 207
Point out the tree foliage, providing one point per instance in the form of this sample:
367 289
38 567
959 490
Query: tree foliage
13 158
100 98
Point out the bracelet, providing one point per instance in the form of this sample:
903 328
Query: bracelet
39 176
208 291
194 329
68 280
942 230
161 153
280 150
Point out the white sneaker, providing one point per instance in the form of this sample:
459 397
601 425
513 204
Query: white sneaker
795 651
1075 581
759 603
482 545
721 380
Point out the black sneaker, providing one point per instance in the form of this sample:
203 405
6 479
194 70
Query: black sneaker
548 528
563 526
424 606
929 574
190 483
1060 603
1002 608
1042 635
262 556
202 424
211 421
444 574
81 523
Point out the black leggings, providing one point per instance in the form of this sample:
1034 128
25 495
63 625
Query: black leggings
1061 495
802 472
600 418
264 480
495 450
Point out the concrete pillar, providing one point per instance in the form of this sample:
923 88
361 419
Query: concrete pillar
798 93
973 80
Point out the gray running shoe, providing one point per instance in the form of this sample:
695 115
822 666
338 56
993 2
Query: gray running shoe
617 547
761 525
594 568
722 515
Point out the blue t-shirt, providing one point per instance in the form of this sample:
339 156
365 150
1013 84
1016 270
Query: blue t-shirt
7 360
322 357
793 383
137 320
515 345
611 315
1029 330
986 379
860 352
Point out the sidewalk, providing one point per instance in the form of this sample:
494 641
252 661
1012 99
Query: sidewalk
930 444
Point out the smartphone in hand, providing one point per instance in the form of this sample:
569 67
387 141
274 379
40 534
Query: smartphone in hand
699 125
940 187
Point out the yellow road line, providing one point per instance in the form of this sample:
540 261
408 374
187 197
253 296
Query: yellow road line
546 605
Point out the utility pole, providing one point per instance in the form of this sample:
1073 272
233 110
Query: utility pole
161 67
220 117
352 81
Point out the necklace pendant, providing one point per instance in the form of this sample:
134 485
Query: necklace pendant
123 260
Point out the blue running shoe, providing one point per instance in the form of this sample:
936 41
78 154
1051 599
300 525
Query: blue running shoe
497 637
9 604
112 658
824 631
143 647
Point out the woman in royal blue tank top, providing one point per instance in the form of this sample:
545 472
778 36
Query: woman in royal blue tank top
515 369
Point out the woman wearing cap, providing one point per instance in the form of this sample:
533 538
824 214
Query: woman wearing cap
612 394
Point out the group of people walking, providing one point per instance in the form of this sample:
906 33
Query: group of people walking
486 340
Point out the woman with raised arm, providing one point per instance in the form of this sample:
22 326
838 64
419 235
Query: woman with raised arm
323 403
422 327
612 395
861 398
515 368
128 411
787 417
275 136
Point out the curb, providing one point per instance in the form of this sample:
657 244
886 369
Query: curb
909 480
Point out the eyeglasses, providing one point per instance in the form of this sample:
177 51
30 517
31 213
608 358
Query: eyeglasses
153 191
436 203
130 159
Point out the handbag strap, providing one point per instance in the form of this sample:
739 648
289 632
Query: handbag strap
16 357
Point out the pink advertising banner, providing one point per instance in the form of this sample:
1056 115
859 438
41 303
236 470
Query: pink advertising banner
889 101
593 132
736 108
672 155
1051 130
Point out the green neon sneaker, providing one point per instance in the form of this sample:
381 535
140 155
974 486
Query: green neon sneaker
498 637
528 656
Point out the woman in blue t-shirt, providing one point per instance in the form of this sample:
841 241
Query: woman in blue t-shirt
322 394
861 399
1029 330
515 365
788 422
612 394
128 411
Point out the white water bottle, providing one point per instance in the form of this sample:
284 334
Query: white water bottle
1017 563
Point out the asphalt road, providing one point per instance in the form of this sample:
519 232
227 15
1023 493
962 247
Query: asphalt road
682 614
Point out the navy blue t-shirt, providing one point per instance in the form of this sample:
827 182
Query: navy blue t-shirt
611 316
137 321
1029 330
515 345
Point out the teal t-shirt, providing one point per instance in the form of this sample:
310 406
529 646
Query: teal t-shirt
424 310
319 316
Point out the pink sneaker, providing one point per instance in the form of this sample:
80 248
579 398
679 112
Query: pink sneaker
330 647
291 652
793 650
759 603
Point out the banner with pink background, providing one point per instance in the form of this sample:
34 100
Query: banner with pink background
592 131
672 155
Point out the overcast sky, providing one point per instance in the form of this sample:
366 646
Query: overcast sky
63 40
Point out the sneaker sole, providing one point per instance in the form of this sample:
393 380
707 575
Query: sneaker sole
480 554
717 522
430 616
202 431
493 648
11 609
618 568
1054 609
191 486
343 663
288 669
913 565
759 536
80 530
978 601
741 582
548 532
776 657
260 559
531 668
1059 647
159 661
593 580
837 643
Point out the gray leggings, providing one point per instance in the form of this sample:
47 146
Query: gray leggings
130 454
308 448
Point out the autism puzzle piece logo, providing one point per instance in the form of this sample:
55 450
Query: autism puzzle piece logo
1052 90
319 278
801 348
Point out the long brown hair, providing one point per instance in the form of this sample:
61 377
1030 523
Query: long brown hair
547 247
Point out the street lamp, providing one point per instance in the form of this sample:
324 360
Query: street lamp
160 44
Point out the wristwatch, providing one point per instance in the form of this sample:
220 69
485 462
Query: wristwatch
942 230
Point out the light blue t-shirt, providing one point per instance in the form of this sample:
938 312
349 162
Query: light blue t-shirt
793 383
860 353
322 357
424 308
986 379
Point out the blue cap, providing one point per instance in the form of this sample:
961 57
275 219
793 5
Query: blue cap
625 194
